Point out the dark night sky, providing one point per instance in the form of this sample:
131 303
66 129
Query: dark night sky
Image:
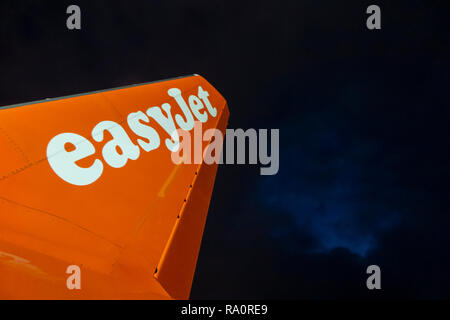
363 118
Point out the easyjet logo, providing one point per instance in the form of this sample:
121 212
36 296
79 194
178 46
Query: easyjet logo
66 149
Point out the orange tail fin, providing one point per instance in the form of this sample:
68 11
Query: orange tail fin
88 180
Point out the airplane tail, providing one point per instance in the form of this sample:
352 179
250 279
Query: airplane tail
92 206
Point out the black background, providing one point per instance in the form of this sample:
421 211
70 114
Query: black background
363 118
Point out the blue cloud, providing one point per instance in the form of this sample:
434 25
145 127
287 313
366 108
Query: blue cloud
327 183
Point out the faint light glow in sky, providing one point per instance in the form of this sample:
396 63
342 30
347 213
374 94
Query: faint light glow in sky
328 189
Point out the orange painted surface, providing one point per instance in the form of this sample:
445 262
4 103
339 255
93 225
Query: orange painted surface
120 228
